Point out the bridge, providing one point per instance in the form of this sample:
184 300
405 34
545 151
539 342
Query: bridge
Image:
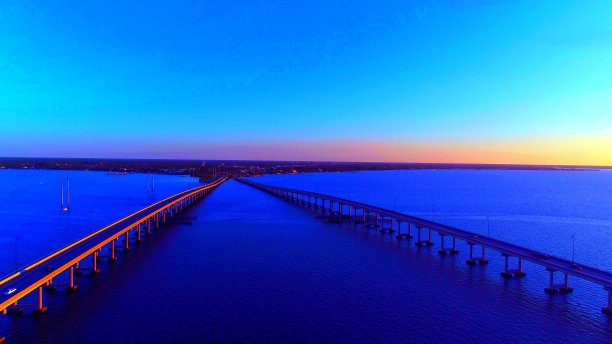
39 276
407 227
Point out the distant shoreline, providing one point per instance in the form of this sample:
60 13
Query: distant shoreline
208 169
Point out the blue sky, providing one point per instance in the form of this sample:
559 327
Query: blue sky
192 78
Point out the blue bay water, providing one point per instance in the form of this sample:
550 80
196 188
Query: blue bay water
33 225
254 268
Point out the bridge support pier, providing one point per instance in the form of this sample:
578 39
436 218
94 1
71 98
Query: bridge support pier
138 239
608 310
447 250
401 235
383 222
476 260
421 243
113 257
519 271
40 308
372 221
71 285
94 269
149 226
126 247
562 288
565 288
506 273
551 284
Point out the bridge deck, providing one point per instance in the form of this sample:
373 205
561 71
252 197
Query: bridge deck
44 270
592 274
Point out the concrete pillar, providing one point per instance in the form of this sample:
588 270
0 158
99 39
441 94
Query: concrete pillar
126 247
421 242
551 283
40 308
442 250
138 239
71 286
113 257
471 261
608 310
519 271
565 288
506 273
454 250
94 269
483 259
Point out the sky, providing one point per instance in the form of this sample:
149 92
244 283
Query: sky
474 81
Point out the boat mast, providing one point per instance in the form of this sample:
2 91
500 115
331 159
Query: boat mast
68 207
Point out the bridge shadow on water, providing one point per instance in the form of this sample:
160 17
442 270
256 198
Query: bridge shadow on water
255 268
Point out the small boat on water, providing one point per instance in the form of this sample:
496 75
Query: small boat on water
65 206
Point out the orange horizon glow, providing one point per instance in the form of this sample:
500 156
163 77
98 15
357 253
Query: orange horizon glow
578 151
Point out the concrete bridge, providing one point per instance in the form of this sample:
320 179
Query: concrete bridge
40 275
409 227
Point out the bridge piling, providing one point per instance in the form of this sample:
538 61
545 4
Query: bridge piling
476 260
447 250
138 239
113 257
551 289
71 285
506 273
608 310
126 246
519 271
565 288
420 242
401 235
40 308
94 269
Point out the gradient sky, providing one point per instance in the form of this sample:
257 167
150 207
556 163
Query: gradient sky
422 81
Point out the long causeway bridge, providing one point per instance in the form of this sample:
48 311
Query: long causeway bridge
410 227
40 275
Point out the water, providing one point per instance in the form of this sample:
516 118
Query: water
538 209
33 224
254 268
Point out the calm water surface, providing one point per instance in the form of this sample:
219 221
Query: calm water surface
254 268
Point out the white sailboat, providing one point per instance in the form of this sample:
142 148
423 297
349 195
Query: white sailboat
65 207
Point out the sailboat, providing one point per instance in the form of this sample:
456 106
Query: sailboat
65 207
151 183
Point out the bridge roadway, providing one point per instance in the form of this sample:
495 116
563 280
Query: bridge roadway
508 250
41 273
